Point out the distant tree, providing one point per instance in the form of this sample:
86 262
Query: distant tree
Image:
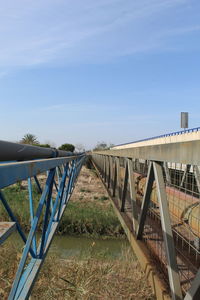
29 139
50 143
67 147
44 145
111 145
79 148
102 146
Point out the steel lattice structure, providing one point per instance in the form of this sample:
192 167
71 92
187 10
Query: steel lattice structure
155 191
60 177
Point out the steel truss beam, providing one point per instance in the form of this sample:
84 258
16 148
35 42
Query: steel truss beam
154 177
61 177
139 249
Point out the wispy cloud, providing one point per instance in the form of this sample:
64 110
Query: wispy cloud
62 32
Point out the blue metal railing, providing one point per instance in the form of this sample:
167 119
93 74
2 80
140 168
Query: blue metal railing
54 196
195 129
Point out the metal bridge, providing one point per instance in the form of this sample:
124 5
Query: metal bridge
61 172
155 191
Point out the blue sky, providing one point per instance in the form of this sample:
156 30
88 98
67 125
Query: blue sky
108 70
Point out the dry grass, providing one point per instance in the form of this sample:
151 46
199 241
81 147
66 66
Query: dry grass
9 259
92 279
80 278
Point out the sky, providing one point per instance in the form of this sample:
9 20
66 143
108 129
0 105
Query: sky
88 71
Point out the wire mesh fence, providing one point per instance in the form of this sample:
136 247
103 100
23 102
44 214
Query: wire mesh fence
182 188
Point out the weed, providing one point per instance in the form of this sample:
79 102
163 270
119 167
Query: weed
83 190
103 198
88 219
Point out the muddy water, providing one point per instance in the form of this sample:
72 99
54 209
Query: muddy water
69 246
66 246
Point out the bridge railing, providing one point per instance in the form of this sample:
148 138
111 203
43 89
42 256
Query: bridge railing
54 179
165 135
156 189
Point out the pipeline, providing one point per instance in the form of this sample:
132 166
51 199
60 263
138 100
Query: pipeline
184 207
19 152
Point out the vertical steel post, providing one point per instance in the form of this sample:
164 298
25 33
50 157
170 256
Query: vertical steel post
124 191
59 196
46 216
187 169
104 167
107 170
31 212
133 194
111 172
38 184
118 180
167 174
173 274
197 176
145 201
114 177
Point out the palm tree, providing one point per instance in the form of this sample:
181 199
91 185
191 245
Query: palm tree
29 139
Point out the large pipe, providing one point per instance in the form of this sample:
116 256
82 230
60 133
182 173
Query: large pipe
12 151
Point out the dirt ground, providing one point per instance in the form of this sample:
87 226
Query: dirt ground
89 188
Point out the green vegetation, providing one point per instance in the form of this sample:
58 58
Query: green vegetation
83 190
103 198
30 139
17 197
67 147
88 218
44 145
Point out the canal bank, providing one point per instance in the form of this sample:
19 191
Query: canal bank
80 269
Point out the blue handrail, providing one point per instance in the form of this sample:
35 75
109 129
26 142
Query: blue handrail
163 135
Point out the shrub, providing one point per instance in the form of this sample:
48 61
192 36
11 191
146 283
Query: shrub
67 147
